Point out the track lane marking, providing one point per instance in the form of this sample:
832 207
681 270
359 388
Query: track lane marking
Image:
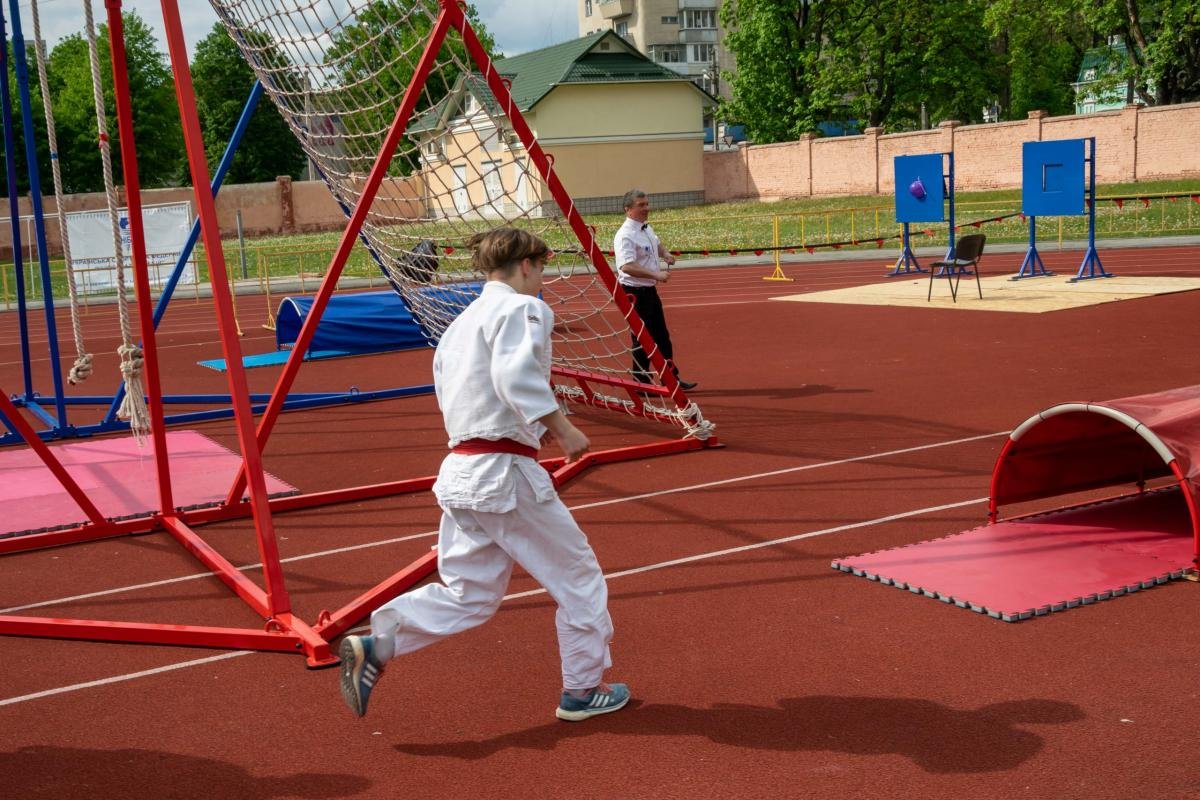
533 592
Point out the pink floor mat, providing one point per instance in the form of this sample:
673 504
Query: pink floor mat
119 476
1029 567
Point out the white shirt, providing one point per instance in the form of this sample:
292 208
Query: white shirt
636 243
491 373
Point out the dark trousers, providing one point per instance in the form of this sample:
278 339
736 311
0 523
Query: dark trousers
649 307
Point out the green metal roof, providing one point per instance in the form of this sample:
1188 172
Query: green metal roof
536 73
1105 60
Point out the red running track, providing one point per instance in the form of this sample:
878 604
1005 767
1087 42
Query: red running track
757 670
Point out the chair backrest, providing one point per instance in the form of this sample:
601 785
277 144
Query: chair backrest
969 248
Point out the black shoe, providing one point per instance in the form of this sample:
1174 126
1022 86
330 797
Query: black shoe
687 386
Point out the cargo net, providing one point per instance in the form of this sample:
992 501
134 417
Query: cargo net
337 71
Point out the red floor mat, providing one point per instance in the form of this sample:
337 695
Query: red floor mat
1032 566
118 476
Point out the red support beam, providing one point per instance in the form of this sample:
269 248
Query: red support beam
239 388
137 243
500 88
26 432
146 633
349 239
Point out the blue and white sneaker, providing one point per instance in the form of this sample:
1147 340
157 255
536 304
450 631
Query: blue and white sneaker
360 671
601 700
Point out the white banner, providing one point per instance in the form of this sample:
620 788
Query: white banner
166 226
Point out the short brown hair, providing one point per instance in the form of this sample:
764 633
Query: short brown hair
504 248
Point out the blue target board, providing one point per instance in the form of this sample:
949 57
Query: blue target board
920 192
1053 183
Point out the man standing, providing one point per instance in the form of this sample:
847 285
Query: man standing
637 252
491 373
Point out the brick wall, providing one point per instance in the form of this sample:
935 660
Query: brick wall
1131 144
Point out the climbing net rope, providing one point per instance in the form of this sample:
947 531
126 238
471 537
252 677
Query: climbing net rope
336 70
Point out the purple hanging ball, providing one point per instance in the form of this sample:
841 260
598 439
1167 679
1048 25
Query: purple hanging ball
917 189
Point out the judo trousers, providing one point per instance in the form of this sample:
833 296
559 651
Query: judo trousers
476 553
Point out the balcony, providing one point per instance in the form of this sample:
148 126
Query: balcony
706 4
611 9
698 36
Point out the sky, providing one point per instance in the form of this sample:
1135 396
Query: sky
517 25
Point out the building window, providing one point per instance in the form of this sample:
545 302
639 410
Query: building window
700 18
622 28
587 8
670 20
491 180
668 54
704 53
490 141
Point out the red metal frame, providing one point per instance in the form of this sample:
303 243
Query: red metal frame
1185 486
284 632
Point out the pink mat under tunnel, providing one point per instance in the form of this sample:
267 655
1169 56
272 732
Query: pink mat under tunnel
1030 566
118 476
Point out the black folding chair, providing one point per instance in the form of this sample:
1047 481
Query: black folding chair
966 254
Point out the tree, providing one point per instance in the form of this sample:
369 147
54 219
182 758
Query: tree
1039 45
156 126
801 64
380 52
778 48
222 80
1162 39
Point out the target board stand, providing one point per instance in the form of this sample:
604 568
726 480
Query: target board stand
924 190
1058 178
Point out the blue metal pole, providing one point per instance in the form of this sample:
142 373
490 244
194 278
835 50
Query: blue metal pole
950 253
14 209
235 139
35 197
1091 259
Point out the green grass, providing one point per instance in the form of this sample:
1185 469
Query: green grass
718 228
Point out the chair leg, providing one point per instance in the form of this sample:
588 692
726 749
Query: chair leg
929 294
978 285
953 277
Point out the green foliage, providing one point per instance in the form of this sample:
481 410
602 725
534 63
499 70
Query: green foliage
801 63
223 80
156 127
362 50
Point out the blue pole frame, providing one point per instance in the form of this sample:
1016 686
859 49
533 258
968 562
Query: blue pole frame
21 70
14 211
1091 259
110 423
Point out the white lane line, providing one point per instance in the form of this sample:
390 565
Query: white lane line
198 575
533 592
516 595
579 507
25 698
772 543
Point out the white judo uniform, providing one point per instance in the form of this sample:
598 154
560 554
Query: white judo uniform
492 378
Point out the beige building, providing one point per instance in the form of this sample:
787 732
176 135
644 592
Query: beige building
610 118
682 35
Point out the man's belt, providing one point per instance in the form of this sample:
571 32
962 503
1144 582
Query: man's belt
477 447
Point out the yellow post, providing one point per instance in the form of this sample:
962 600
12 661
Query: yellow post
264 269
777 275
237 323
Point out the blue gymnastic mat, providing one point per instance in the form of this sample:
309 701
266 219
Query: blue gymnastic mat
277 358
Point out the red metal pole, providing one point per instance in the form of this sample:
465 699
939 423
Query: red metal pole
26 432
239 389
137 241
499 86
348 240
